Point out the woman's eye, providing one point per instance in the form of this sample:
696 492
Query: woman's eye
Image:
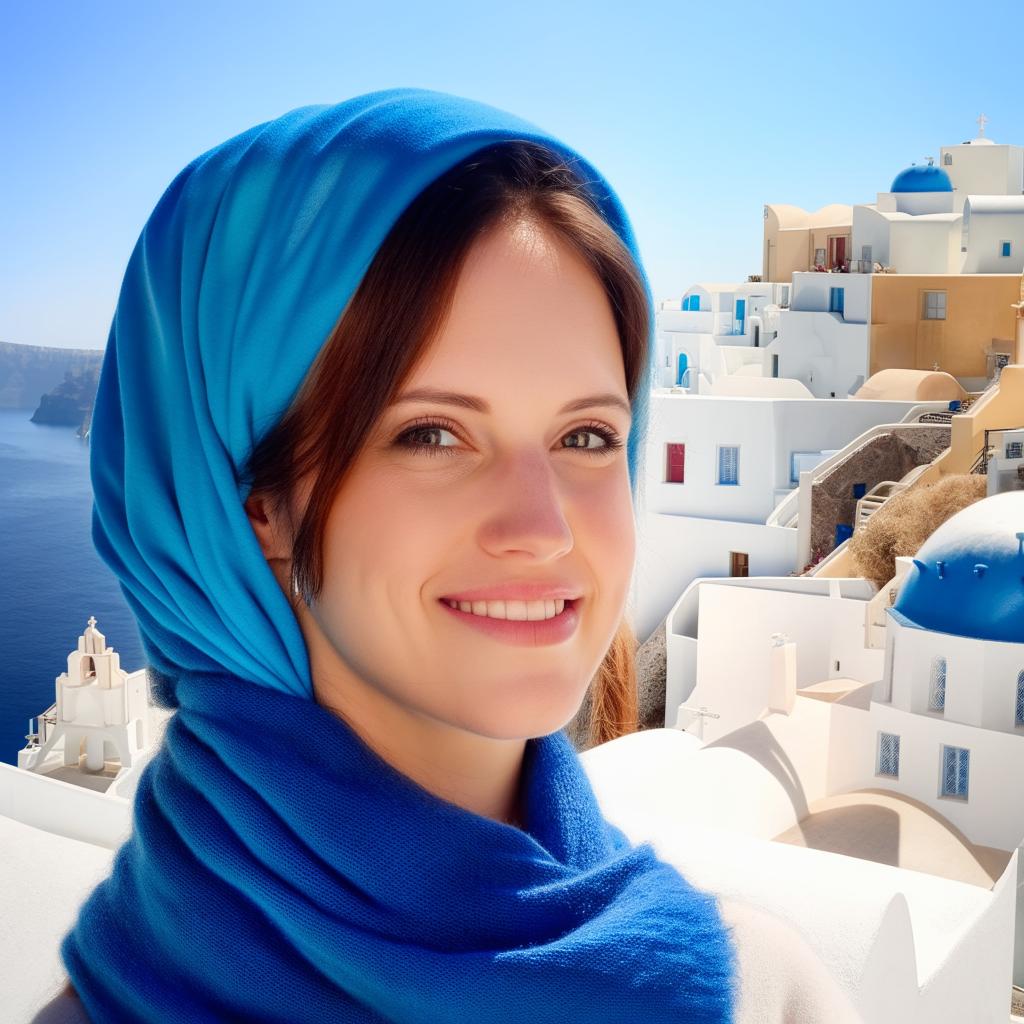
610 441
414 438
421 436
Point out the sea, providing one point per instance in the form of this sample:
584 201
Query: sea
51 578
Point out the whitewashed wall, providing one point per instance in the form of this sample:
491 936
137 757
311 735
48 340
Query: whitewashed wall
932 246
735 625
672 551
811 291
988 221
981 676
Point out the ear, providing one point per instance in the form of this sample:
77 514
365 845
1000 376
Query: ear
267 527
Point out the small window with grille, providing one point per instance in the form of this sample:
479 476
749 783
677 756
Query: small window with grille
937 685
1014 449
1019 721
729 464
934 306
955 771
889 755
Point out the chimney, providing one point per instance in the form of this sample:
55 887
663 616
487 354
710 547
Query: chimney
782 666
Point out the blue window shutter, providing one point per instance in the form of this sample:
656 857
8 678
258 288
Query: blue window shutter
728 464
955 771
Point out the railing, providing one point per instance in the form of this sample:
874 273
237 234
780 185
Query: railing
871 502
787 510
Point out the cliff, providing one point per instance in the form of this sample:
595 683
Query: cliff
29 371
69 404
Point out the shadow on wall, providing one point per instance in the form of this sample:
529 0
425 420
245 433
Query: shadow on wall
870 833
757 742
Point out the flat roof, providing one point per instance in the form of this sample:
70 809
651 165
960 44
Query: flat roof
889 828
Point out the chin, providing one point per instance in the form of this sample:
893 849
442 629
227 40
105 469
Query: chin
522 719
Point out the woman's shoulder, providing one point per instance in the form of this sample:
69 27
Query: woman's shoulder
64 1008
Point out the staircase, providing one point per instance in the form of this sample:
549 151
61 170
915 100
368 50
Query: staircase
881 493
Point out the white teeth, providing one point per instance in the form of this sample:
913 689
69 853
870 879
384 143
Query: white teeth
522 611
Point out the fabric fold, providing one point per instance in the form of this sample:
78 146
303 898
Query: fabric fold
280 870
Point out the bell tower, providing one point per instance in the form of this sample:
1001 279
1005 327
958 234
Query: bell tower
99 706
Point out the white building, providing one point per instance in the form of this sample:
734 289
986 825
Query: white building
962 216
910 754
824 336
98 706
716 329
716 469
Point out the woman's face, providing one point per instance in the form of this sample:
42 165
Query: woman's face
514 492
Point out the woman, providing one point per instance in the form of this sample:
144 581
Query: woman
364 455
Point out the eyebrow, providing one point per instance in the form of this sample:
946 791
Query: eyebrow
479 405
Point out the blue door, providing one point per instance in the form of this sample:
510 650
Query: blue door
835 300
681 370
741 313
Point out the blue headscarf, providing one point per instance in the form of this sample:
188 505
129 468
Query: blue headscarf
235 283
279 870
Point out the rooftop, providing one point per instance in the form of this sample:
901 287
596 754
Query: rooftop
888 828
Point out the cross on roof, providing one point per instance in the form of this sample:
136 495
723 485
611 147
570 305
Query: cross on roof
982 121
92 620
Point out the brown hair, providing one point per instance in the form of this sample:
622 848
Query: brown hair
400 305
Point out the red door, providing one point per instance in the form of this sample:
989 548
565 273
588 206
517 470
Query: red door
837 251
675 463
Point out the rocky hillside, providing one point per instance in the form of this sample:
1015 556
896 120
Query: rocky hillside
69 404
27 372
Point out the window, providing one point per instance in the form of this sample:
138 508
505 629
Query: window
865 253
947 159
1005 248
676 459
937 685
739 563
1014 449
728 463
819 257
835 300
888 755
692 302
1020 699
934 306
955 771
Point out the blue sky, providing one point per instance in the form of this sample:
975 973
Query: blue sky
698 114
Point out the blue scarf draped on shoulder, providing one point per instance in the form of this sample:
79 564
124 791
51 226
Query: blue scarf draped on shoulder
278 869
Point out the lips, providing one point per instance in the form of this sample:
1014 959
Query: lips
523 632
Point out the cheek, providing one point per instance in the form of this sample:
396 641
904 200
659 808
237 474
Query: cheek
609 528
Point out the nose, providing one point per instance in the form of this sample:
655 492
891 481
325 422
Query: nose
525 511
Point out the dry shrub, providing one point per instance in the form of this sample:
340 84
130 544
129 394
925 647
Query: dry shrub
907 520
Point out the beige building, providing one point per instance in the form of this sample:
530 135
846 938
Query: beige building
795 239
959 323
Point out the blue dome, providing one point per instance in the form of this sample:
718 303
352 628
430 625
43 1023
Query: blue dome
926 178
968 576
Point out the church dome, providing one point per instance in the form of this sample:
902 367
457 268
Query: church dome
926 178
968 576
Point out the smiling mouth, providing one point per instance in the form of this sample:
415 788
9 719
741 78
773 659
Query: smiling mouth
557 629
497 610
